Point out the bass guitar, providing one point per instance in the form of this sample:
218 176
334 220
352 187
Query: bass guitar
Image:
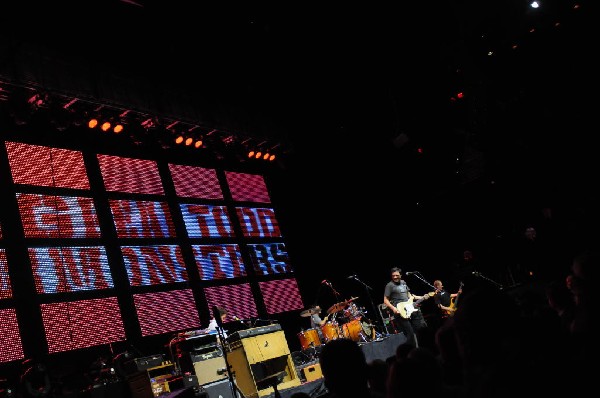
454 302
406 308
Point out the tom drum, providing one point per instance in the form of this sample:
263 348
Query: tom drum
309 339
330 331
358 330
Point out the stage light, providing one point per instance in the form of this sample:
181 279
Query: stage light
92 123
105 126
179 139
118 128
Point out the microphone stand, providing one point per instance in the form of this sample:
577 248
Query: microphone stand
235 390
420 277
480 275
368 289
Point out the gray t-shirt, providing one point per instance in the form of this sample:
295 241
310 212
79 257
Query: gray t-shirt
396 292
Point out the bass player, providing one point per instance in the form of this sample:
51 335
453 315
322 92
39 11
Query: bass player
397 297
444 300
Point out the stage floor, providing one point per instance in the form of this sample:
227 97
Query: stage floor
382 348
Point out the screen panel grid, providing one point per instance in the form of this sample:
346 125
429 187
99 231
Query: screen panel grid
130 175
67 247
5 284
53 216
238 300
70 269
83 323
11 348
247 187
163 312
48 167
195 182
219 261
281 296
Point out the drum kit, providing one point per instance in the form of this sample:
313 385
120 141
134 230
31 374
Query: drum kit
344 320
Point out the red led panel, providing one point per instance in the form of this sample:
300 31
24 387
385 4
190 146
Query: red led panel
281 295
130 175
237 299
195 182
79 324
247 187
219 261
5 287
154 265
10 339
69 269
258 222
48 167
269 258
49 216
164 312
142 219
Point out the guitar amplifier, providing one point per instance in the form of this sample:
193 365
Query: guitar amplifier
138 364
210 366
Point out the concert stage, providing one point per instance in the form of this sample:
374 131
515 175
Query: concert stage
379 349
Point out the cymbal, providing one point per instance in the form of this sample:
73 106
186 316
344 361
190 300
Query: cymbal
336 307
310 311
340 306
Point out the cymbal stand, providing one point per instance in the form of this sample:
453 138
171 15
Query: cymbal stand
373 308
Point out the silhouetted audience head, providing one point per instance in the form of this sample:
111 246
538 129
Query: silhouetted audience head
378 370
345 369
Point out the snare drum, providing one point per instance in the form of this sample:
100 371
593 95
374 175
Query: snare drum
309 339
330 331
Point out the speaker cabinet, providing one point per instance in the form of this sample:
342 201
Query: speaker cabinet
256 358
219 389
312 372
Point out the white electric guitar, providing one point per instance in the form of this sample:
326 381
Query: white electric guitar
406 308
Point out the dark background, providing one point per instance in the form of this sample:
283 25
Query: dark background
382 164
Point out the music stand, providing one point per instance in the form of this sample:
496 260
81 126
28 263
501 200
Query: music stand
235 390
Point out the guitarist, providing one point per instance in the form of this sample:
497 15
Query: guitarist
397 291
444 300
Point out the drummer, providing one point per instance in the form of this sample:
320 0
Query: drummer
315 320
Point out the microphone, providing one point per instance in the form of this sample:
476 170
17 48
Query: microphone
351 277
411 272
237 319
325 281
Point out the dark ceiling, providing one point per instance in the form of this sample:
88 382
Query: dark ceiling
356 90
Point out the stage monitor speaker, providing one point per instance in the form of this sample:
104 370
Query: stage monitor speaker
211 370
219 389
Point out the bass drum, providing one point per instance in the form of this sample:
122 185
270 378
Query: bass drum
358 330
330 331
